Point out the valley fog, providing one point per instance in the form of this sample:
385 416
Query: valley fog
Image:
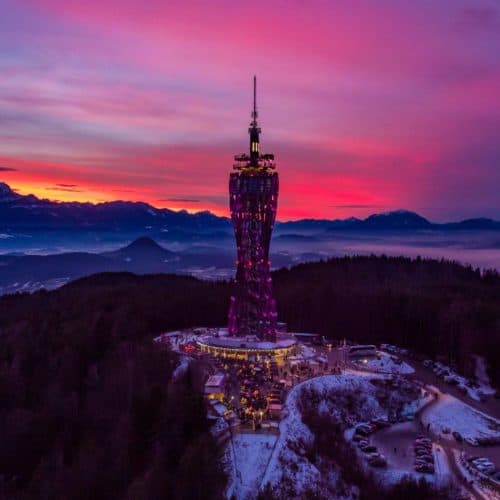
214 257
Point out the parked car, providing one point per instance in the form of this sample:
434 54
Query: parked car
486 468
422 446
363 429
458 437
423 440
379 461
427 469
488 441
484 465
419 450
380 424
369 449
482 397
471 441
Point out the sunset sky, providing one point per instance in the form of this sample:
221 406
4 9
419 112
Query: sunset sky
368 106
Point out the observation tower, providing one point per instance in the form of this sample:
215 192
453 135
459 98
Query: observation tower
253 200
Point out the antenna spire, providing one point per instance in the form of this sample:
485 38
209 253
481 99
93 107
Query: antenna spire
254 113
254 160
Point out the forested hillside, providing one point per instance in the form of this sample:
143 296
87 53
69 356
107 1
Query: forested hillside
87 405
433 307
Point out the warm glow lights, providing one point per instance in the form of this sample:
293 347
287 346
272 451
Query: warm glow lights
253 195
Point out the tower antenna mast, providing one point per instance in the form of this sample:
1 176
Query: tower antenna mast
254 114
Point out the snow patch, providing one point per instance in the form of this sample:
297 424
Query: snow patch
252 452
450 413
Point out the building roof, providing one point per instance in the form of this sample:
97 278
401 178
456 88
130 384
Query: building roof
215 380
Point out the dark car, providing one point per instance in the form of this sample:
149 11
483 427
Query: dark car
380 424
378 461
423 453
421 443
458 437
423 440
422 449
427 469
363 430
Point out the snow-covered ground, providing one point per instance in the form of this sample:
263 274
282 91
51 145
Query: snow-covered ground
396 444
385 363
182 367
443 474
482 376
412 407
252 452
450 413
288 462
307 352
476 391
482 490
364 374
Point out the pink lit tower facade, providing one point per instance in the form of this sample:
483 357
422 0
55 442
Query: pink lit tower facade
253 197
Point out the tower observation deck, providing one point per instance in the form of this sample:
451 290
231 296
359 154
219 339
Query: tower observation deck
253 199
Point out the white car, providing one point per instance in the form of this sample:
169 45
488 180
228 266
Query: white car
486 469
483 462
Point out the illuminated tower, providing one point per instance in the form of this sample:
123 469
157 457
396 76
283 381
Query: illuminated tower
253 198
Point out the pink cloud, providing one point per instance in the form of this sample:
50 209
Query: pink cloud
365 105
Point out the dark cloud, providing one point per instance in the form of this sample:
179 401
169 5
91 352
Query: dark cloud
64 187
180 200
355 206
8 169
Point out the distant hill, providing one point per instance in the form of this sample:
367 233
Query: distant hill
140 249
29 213
18 212
399 219
142 256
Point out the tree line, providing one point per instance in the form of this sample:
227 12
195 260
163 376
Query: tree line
88 407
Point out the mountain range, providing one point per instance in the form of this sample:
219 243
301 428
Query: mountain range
29 213
47 244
